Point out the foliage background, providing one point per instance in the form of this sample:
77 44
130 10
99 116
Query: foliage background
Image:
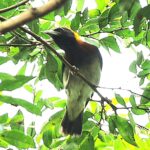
111 25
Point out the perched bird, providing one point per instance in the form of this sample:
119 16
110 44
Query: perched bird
88 60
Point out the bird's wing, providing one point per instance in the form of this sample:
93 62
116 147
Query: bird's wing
66 76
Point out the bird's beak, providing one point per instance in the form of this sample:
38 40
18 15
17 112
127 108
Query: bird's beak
52 33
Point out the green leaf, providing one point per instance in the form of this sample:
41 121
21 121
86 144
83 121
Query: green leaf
31 130
103 19
87 115
60 103
91 24
34 25
35 52
146 96
52 64
54 124
143 12
132 101
38 95
137 111
18 118
110 42
13 51
65 22
80 4
3 59
94 13
115 12
29 88
17 122
94 107
125 33
112 125
134 10
53 71
124 18
57 142
5 76
47 138
114 25
3 143
125 5
84 16
87 142
148 38
50 16
75 21
120 100
3 118
17 82
131 120
102 4
18 139
88 125
42 74
132 67
125 129
59 12
3 41
148 77
140 58
22 69
142 81
144 73
146 64
71 145
67 6
20 102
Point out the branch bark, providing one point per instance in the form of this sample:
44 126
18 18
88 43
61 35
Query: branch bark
29 15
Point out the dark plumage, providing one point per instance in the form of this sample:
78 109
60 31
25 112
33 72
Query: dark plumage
88 59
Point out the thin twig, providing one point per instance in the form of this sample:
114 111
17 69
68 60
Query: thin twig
145 109
102 31
21 36
13 6
116 108
23 45
87 35
140 126
119 88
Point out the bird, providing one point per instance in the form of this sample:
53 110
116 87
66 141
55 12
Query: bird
88 59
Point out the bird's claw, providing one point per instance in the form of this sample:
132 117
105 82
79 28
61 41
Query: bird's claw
74 70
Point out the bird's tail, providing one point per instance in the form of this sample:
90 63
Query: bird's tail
72 127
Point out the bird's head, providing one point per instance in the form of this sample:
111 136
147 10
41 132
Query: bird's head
64 37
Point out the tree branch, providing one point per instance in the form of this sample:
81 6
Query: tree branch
13 6
119 88
23 45
101 31
29 15
88 35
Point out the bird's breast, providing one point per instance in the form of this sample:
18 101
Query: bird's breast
89 67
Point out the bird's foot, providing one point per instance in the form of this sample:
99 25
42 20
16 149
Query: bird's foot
74 70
